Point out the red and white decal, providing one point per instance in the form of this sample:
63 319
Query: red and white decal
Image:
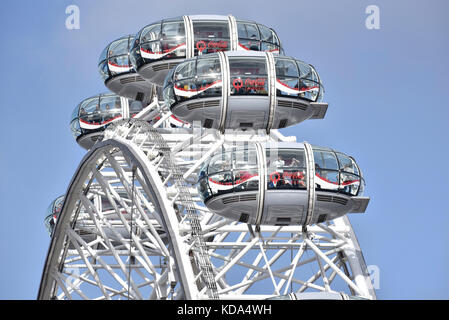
218 185
96 125
242 47
177 122
326 184
158 55
117 68
188 93
285 88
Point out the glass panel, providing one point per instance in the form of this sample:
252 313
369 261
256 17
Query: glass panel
104 70
249 44
135 107
203 170
174 48
118 47
151 50
326 179
244 159
304 69
208 77
210 36
275 38
185 89
361 188
325 160
220 162
286 68
248 31
103 54
151 33
203 189
110 107
173 30
75 112
308 89
90 112
350 183
347 164
286 169
248 76
287 78
266 46
221 182
75 128
119 64
169 95
246 179
185 70
266 34
57 206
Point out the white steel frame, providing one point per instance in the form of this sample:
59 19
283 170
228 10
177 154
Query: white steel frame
160 242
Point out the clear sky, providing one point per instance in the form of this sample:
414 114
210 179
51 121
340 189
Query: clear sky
388 97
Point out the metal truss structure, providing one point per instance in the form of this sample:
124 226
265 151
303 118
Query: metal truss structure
134 227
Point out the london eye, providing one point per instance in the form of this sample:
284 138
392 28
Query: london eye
188 190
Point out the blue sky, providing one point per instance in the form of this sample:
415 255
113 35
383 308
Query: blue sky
388 97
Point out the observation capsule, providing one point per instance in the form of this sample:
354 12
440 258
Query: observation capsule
52 213
241 90
92 115
119 75
86 228
282 184
160 46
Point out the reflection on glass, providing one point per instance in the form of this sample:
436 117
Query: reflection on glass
199 77
210 36
297 78
115 59
286 169
335 171
248 76
163 40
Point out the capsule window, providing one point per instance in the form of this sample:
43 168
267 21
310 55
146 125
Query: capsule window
248 76
210 36
286 169
325 160
118 48
249 37
185 70
287 78
220 162
266 34
75 128
151 33
173 30
110 108
347 164
208 80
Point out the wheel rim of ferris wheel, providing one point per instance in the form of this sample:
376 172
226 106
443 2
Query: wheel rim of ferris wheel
334 245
